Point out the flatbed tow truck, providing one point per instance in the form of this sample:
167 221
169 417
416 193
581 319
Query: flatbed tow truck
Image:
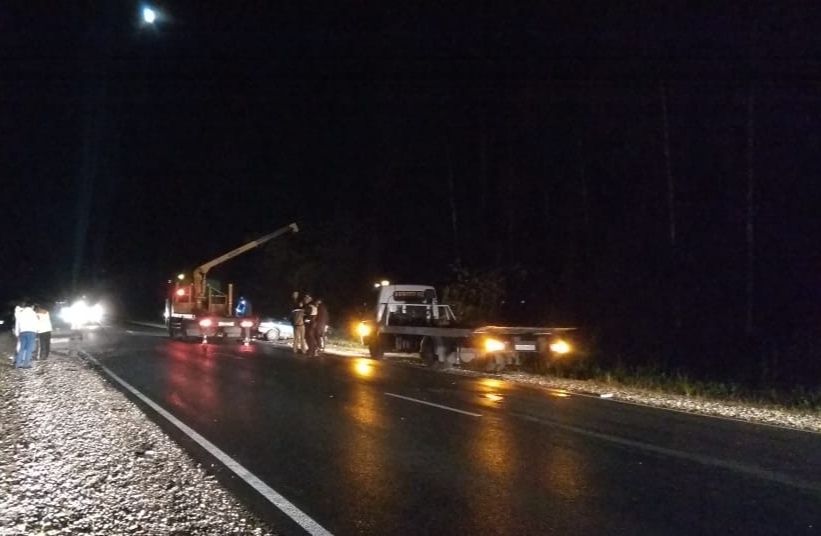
408 319
199 310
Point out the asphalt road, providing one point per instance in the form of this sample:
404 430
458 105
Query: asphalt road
340 445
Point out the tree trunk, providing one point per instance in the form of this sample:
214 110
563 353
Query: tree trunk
454 220
750 227
749 326
484 232
583 189
506 247
671 209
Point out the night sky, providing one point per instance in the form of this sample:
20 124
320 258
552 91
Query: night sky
529 138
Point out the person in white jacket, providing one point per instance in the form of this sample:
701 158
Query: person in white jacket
25 328
43 332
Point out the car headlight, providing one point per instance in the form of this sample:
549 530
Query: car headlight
95 313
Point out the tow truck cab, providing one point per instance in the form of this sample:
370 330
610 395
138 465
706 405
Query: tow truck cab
412 305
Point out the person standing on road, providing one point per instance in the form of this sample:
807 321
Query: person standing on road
25 328
43 332
321 323
309 318
17 310
297 321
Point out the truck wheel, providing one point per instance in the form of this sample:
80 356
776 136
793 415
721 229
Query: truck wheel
428 353
375 349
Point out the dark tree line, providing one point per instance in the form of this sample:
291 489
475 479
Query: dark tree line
672 221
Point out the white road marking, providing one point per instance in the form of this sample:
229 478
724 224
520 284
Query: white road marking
434 405
289 509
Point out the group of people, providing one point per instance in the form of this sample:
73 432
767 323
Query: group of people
309 318
32 327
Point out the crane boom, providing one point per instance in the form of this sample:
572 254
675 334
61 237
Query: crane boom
201 271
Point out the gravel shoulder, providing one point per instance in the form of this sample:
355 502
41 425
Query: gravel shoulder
77 457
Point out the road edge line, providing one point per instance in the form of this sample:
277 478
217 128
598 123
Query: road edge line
283 504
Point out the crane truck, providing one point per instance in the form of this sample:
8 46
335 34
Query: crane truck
199 310
408 319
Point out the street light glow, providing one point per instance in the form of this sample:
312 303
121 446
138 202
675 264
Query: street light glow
149 15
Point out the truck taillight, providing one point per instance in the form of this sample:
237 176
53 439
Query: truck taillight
205 322
247 323
180 292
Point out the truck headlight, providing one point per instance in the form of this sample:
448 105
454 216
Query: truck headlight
494 345
559 347
80 314
363 329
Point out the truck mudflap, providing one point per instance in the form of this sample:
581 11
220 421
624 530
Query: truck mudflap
467 355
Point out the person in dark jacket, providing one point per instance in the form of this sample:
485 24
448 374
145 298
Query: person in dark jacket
309 319
43 332
320 323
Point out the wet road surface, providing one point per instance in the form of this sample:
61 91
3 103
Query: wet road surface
366 447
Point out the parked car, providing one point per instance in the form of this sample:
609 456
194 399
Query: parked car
275 329
7 320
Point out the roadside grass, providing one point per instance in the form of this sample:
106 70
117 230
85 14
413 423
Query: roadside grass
796 398
346 343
